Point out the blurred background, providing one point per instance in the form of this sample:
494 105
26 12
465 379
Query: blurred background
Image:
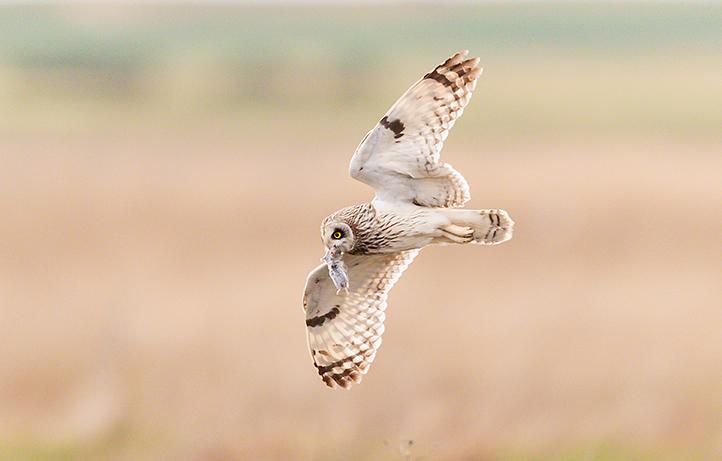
164 169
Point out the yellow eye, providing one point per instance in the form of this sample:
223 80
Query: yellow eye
337 235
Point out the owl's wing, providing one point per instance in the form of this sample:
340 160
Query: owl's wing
344 329
399 157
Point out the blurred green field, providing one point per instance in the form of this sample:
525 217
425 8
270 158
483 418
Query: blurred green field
152 158
550 70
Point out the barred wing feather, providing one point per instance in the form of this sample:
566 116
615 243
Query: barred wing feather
344 330
400 156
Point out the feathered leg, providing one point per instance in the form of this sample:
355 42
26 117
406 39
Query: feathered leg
485 227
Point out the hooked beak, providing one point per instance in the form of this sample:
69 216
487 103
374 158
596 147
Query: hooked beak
336 268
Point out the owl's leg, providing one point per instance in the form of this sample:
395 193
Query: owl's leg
488 227
457 234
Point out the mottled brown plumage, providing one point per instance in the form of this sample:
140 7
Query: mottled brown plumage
369 245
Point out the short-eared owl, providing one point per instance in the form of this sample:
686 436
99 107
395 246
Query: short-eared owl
368 246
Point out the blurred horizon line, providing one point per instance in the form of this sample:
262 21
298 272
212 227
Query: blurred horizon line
349 3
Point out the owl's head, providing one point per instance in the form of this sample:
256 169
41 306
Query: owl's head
338 237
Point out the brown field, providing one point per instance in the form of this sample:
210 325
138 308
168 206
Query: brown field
163 176
151 304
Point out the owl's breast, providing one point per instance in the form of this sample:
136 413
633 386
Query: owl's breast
387 233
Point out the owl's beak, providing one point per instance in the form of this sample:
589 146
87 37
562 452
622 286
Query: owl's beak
336 268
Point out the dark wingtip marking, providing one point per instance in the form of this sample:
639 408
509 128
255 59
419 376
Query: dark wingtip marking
321 319
462 69
397 126
435 75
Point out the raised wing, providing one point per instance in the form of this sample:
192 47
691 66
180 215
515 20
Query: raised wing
344 330
399 158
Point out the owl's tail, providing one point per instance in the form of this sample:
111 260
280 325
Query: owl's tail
485 227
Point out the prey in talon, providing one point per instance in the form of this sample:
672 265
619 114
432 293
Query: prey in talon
337 271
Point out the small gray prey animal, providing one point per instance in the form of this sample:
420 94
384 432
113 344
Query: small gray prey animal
417 203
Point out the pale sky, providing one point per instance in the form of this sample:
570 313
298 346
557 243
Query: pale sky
338 2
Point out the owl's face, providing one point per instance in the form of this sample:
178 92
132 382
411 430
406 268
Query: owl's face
338 238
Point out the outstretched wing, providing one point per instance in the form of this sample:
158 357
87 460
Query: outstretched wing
399 158
344 330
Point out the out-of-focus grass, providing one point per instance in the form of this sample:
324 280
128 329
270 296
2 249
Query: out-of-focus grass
604 453
151 283
152 158
402 451
126 37
567 97
551 70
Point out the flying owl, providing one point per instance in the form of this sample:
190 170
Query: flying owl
368 246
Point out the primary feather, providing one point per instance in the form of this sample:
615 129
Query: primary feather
400 156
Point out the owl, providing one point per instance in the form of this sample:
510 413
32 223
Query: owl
417 203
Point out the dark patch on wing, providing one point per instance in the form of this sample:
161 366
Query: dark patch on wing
435 75
322 370
397 126
459 69
321 319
